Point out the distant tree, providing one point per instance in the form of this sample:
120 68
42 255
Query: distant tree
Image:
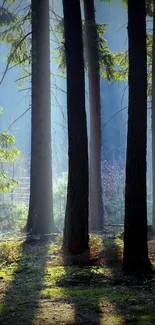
135 259
76 219
93 59
40 217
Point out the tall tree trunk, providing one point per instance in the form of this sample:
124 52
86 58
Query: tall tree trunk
153 121
95 187
40 218
76 218
135 234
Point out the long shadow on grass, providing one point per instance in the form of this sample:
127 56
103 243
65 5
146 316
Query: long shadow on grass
134 299
81 285
98 297
21 298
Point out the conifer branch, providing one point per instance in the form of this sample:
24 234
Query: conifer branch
12 55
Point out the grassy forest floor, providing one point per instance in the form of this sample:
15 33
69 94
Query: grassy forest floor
36 288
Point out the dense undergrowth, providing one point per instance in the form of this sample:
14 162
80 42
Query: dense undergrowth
36 287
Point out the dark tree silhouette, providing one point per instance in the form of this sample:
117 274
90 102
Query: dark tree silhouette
135 235
76 218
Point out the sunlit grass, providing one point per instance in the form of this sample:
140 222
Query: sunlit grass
35 283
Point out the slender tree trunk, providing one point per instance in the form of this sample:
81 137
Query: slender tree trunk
135 234
76 218
40 218
95 186
153 122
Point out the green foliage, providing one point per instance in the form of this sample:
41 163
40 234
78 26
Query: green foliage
60 50
6 183
14 26
112 65
13 217
122 64
8 154
9 252
149 63
106 59
6 17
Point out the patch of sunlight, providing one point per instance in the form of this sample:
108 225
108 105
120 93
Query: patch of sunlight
111 320
53 273
10 251
104 269
152 262
95 240
53 313
89 295
7 273
92 295
53 247
49 293
109 314
119 242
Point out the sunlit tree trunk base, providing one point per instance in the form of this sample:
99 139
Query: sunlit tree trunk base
41 228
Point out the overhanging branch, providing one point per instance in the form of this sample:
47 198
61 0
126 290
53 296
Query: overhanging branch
11 56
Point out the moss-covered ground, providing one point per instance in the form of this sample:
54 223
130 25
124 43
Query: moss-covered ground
36 288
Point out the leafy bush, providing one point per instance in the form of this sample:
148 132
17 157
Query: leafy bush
9 251
12 217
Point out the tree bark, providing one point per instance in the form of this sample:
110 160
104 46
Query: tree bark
95 186
153 122
135 235
76 218
40 217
